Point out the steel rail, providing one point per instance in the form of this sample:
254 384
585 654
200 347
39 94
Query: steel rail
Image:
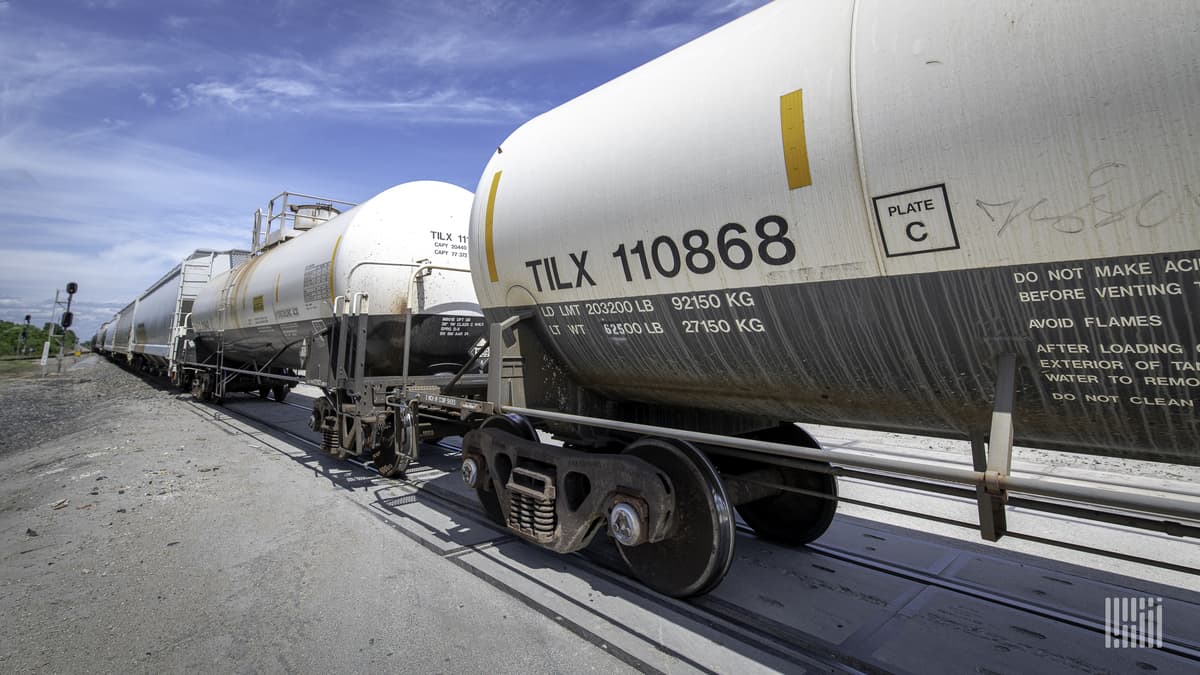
946 458
1180 647
1160 506
760 628
750 635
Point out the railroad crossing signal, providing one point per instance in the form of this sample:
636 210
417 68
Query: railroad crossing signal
64 321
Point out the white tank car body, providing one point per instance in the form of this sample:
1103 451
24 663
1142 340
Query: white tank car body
267 307
846 212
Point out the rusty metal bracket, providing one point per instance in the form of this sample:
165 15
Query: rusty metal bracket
995 461
362 313
499 350
340 357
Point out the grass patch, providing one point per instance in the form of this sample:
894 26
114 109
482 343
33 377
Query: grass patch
11 368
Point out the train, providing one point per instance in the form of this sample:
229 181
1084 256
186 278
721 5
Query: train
928 219
373 298
144 333
351 298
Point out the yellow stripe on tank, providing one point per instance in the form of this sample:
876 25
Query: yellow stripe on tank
332 258
487 229
277 287
795 146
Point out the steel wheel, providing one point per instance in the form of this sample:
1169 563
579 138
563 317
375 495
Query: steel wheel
280 391
201 388
791 518
264 392
386 464
698 550
517 426
386 459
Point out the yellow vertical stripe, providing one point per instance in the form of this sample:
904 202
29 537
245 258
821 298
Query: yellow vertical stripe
487 229
795 147
277 287
332 258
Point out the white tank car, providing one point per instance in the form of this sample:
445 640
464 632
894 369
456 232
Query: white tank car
851 212
269 308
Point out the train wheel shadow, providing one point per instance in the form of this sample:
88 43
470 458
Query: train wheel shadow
589 592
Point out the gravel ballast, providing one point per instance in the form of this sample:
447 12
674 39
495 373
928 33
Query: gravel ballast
138 536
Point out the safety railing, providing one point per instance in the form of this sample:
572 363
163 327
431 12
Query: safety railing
289 212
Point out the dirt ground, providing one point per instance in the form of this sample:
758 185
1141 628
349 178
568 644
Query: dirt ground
138 536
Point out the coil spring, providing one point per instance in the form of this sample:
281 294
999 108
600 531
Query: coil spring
330 442
531 516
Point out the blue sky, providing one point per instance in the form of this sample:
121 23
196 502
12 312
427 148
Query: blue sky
134 131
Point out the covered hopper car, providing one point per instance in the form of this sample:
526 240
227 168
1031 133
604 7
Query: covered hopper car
143 334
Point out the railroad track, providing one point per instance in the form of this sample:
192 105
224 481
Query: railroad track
785 648
944 458
751 630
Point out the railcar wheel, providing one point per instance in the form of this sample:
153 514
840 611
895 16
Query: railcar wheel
386 459
698 550
280 391
201 389
517 426
792 518
385 462
264 392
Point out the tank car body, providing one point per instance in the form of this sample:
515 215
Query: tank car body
265 309
846 213
370 302
977 222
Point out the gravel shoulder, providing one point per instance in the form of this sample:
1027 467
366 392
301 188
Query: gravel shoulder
138 536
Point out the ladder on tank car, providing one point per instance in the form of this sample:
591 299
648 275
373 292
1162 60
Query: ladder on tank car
190 272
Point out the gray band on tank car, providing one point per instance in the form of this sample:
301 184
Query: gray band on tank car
1107 364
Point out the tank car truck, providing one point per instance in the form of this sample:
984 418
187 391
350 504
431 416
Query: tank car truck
144 335
953 219
368 305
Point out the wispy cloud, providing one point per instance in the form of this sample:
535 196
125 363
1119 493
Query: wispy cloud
435 59
132 133
135 189
112 213
176 23
501 34
270 96
35 70
287 88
